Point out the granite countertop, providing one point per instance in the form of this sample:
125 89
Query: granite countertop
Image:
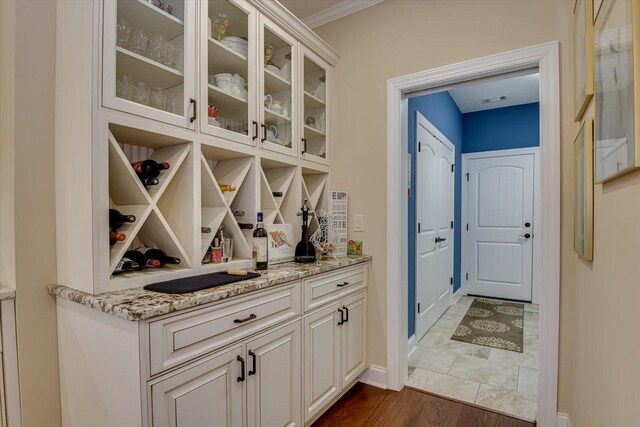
7 292
138 304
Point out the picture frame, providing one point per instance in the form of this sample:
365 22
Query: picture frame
583 191
280 247
583 53
617 90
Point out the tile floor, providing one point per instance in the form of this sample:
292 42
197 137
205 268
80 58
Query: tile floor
502 380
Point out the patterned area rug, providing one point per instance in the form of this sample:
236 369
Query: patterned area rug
493 323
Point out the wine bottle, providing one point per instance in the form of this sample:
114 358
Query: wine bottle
148 169
116 237
205 230
227 187
116 219
277 193
245 225
260 260
142 260
125 265
238 213
157 254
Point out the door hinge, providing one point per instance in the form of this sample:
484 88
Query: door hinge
418 227
451 281
418 307
453 167
467 174
451 224
419 146
466 276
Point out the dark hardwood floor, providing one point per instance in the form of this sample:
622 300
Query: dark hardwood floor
369 406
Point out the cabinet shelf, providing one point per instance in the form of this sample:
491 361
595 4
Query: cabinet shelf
312 102
225 60
143 14
271 116
229 106
147 70
310 133
273 83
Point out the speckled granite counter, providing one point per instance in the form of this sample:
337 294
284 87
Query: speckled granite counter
139 304
6 292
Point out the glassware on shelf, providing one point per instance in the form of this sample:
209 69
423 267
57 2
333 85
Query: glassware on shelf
162 5
268 53
124 87
170 54
157 98
220 25
139 40
124 32
157 47
141 93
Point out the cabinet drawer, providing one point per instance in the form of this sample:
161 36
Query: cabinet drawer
328 287
178 339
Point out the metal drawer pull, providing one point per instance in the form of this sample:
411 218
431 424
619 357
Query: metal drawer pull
346 311
251 317
241 360
341 317
195 110
342 284
255 366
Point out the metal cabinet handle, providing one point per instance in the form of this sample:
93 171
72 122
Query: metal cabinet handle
342 284
346 317
255 131
253 360
246 319
526 236
440 239
264 132
241 377
341 322
304 145
195 110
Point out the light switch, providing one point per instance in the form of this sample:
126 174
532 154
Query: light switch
358 223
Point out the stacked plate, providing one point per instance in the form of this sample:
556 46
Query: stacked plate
236 44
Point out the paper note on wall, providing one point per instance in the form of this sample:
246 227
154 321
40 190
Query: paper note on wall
339 214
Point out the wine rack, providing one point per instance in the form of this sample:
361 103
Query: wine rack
314 189
278 177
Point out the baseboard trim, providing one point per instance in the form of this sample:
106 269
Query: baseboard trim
563 420
375 376
413 345
456 296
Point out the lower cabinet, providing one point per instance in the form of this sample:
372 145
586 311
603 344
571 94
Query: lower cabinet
258 381
335 351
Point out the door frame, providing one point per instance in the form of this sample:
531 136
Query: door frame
430 127
546 58
464 253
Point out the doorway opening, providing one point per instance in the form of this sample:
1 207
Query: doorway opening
472 240
544 58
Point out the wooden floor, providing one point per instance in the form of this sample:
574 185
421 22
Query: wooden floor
369 406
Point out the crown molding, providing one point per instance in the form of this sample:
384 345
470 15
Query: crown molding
338 11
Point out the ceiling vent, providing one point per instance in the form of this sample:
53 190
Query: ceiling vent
494 99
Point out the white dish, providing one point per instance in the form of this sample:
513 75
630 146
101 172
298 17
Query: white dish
273 68
275 141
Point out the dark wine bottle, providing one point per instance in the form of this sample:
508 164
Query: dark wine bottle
150 181
277 193
157 254
245 225
260 260
116 237
116 219
205 230
142 260
125 265
148 169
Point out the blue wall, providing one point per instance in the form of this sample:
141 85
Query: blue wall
501 128
443 113
497 129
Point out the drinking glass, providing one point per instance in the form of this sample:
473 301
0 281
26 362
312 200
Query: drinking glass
157 98
124 32
124 87
170 54
139 40
220 24
156 47
141 93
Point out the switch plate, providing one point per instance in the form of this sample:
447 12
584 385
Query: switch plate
358 222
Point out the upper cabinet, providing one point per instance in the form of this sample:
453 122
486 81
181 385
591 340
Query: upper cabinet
314 98
149 59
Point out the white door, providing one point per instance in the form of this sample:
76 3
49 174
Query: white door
499 252
274 382
321 358
434 224
209 393
354 337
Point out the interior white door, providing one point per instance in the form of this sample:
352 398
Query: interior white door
499 258
434 224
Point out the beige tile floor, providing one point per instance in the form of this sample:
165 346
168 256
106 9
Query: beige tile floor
502 380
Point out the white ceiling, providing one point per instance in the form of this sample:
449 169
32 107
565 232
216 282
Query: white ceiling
519 90
315 13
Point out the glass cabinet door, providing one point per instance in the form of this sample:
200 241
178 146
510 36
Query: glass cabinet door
314 118
278 59
148 59
228 31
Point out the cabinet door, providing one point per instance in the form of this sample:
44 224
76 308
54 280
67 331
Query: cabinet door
354 337
321 359
278 59
208 393
228 34
274 382
148 59
315 75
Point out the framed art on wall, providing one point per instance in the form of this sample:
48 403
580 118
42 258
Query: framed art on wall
582 56
583 191
617 69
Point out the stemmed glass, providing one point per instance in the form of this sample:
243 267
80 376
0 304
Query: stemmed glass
220 25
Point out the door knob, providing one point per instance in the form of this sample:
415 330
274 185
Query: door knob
526 236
